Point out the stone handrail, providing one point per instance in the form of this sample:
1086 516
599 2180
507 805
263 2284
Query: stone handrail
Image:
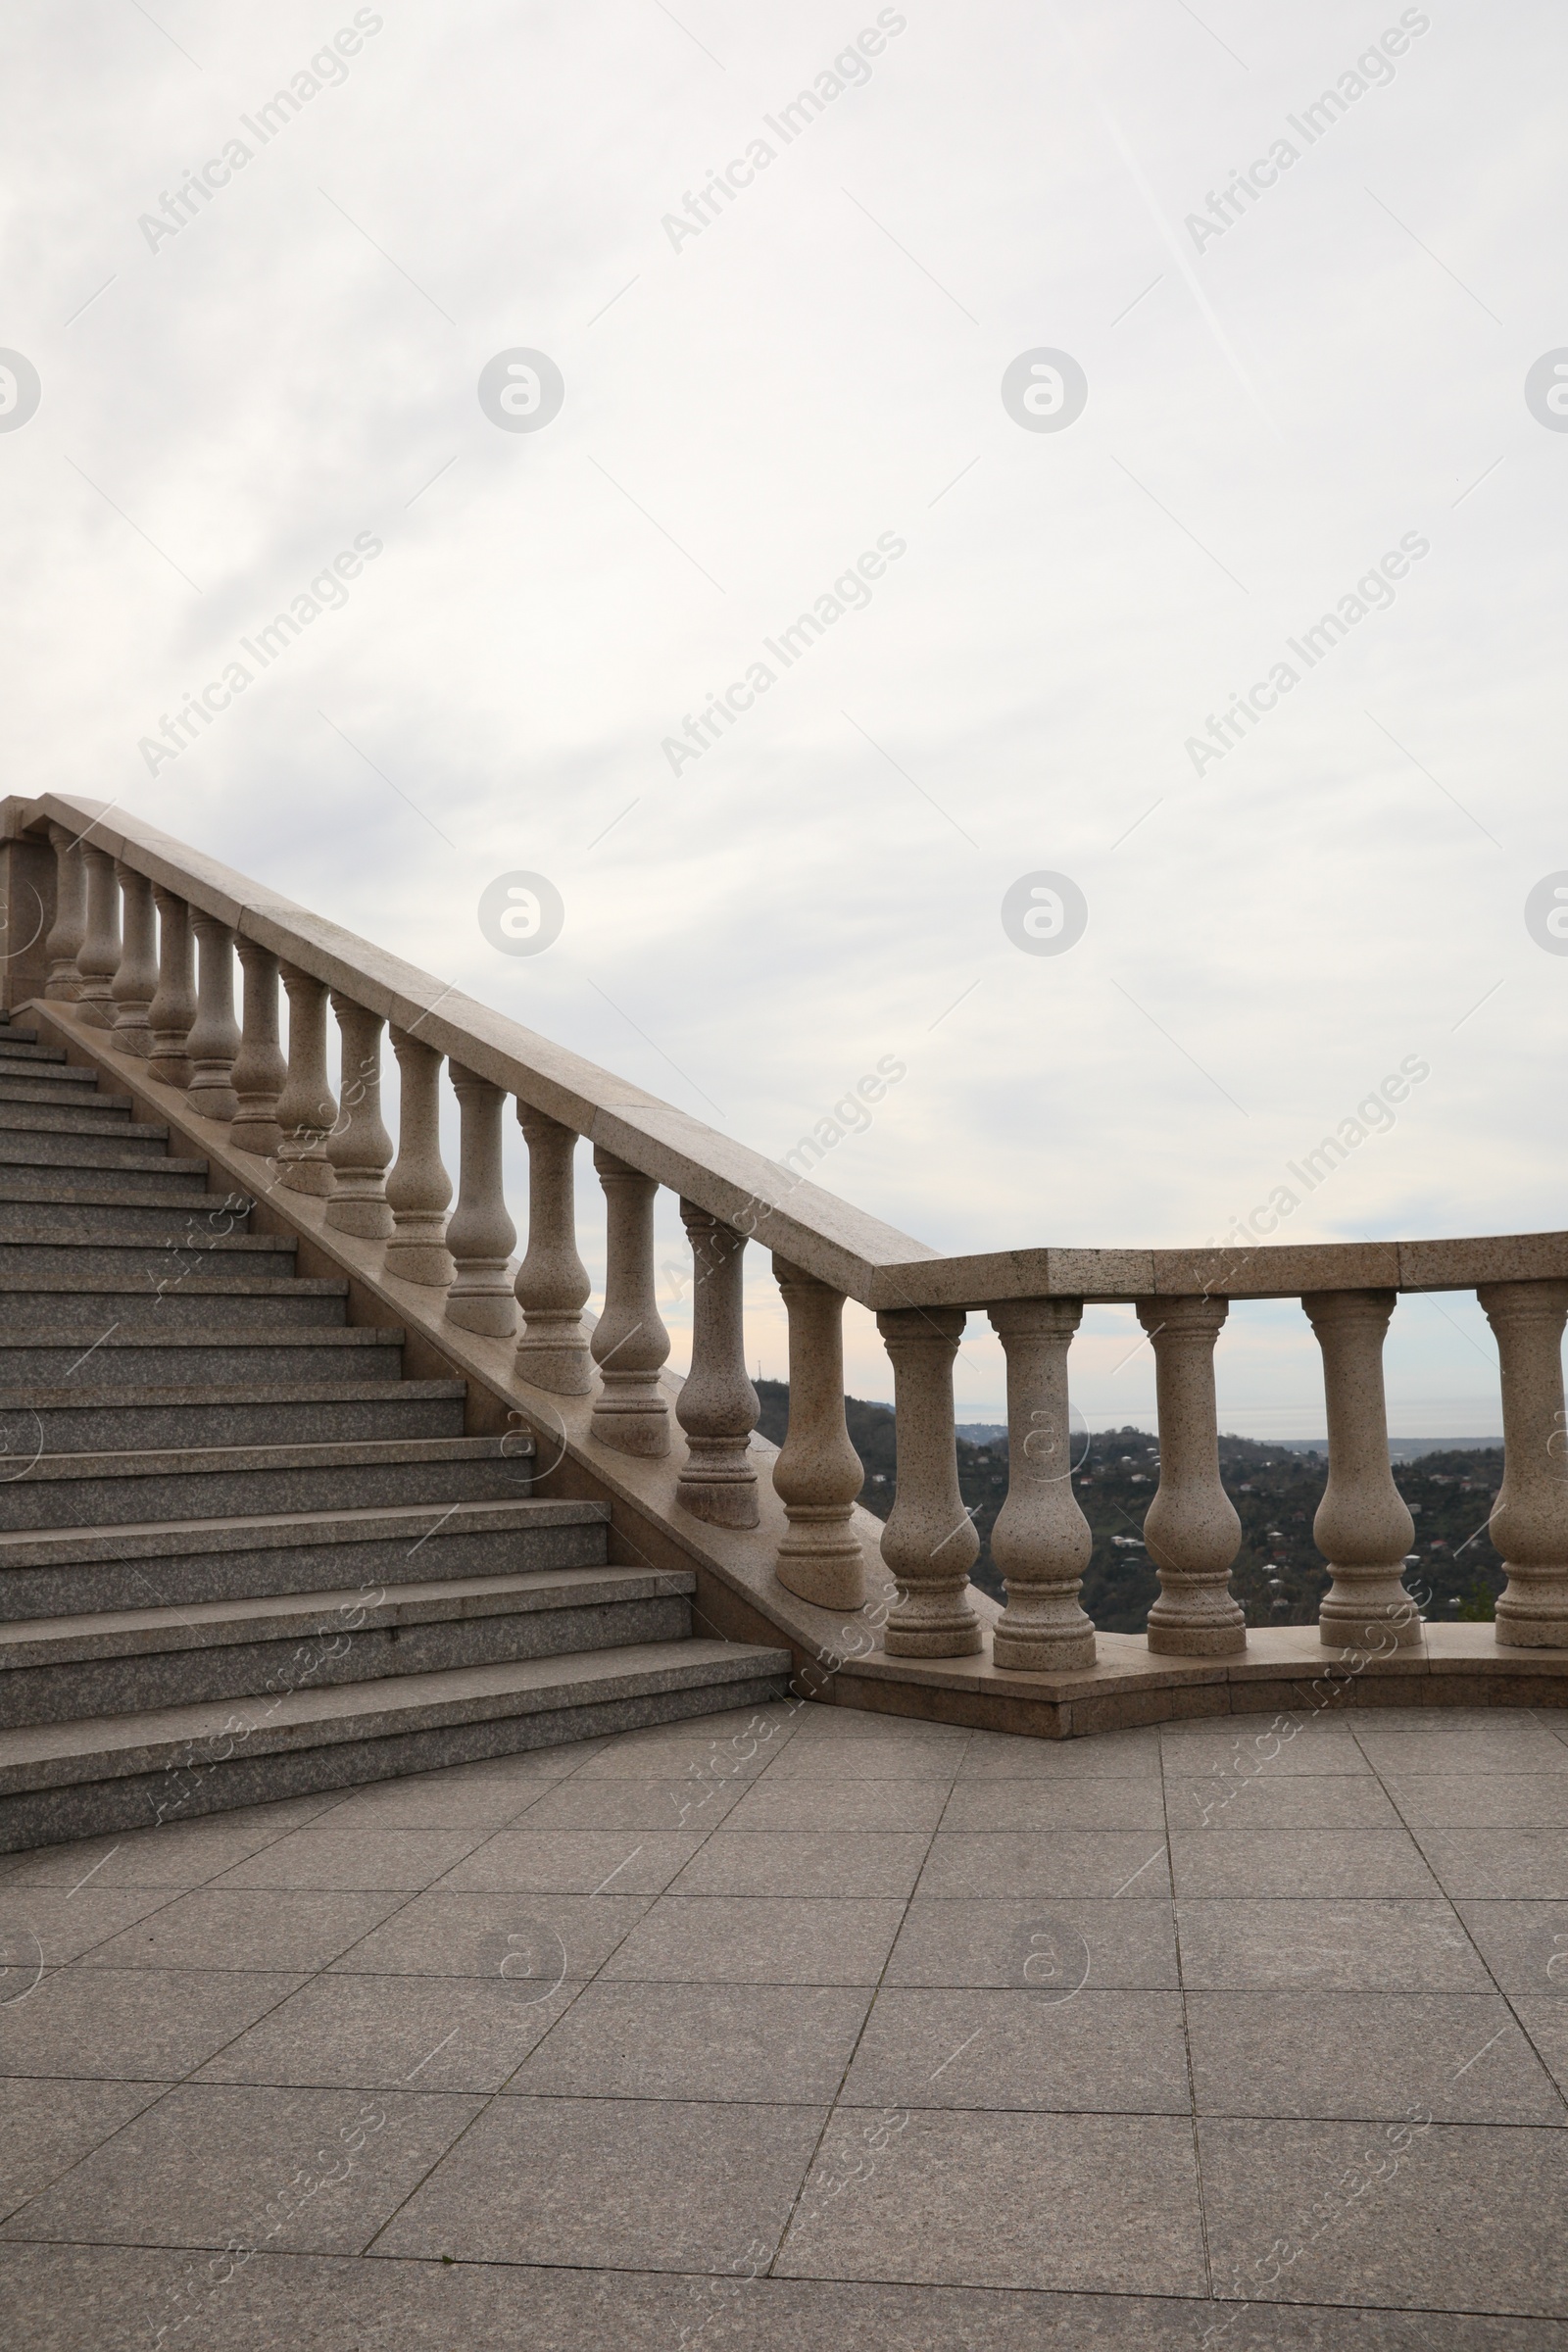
130 911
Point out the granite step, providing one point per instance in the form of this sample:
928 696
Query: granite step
98 1114
175 1295
37 1065
52 1669
84 1419
131 1151
22 1044
216 1482
120 1772
184 1359
33 1259
103 1208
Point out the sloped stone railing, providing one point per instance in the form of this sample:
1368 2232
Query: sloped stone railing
137 937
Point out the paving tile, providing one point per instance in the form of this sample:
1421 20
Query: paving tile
745 2042
1481 1800
1326 1863
991 1940
131 2025
1088 2201
1506 1865
725 1939
863 1759
1513 1746
1525 1944
1053 1862
574 1861
1107 1757
356 1860
179 1854
659 2185
444 1934
696 1802
995 1805
1104 2053
213 2161
1460 2057
800 1862
47 2126
815 1722
877 1808
1364 1944
732 1747
64 1925
1242 1746
249 1927
1545 2020
1265 1800
395 2032
441 1800
1471 2220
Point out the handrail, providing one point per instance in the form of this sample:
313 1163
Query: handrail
840 1244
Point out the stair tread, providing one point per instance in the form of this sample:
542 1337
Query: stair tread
140 1536
50 1067
48 1186
322 1391
303 1334
307 1454
41 1754
122 1633
150 1245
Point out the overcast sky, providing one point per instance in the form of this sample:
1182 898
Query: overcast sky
1284 389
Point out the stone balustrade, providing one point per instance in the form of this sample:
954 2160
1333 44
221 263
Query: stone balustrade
119 953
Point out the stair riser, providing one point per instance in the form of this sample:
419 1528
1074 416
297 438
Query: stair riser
26 1432
99 1808
76 1267
62 1157
251 1494
162 1581
253 1671
190 1218
65 1096
147 1310
33 1067
16 1047
38 1110
128 1364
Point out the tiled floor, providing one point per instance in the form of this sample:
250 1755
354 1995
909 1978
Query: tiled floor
809 2027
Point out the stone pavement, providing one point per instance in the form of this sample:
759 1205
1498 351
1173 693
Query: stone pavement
810 2027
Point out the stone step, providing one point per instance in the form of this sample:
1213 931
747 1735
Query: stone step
36 1260
182 1296
56 1668
185 1359
216 1482
65 1572
82 1206
19 1035
131 1152
84 1419
121 1772
40 1066
100 1114
22 1044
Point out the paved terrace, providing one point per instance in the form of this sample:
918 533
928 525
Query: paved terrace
818 2017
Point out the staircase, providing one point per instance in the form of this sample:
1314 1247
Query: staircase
241 1557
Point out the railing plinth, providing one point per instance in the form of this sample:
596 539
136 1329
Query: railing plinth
553 1285
1529 1522
629 1344
1362 1525
1190 1528
718 1406
480 1233
929 1541
1040 1540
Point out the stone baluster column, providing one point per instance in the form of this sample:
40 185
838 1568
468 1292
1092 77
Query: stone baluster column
419 1189
481 1234
135 983
214 1037
173 1008
1190 1528
1361 1527
553 1283
929 1541
260 1070
1040 1540
99 956
718 1406
306 1109
1530 1518
359 1149
630 1343
819 1473
70 926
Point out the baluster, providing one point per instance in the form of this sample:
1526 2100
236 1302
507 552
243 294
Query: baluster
1362 1527
135 983
306 1109
481 1234
70 926
260 1070
819 1473
360 1147
1530 1518
419 1189
553 1282
1040 1540
99 958
214 1039
629 1342
929 1541
174 1008
1190 1528
718 1406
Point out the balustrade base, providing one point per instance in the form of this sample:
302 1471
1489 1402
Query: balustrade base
492 1312
1043 1652
257 1135
820 1560
637 1424
1532 1619
429 1264
560 1363
371 1219
724 1498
